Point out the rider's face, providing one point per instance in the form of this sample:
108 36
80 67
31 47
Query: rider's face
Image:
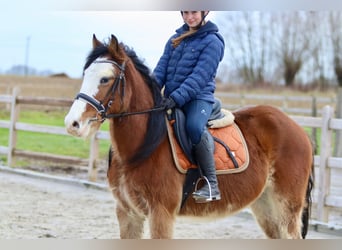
192 18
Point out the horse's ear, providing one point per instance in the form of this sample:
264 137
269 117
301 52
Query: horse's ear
114 44
96 43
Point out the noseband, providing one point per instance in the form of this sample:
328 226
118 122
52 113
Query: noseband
101 108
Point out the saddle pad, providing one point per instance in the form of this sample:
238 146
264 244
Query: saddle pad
231 135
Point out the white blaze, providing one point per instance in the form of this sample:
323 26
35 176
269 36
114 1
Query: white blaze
90 87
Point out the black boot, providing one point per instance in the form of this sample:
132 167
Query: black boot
204 154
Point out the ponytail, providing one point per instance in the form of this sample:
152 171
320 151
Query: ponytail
176 41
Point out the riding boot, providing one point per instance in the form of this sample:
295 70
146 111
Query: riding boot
204 154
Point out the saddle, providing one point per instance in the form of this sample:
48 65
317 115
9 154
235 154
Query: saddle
231 154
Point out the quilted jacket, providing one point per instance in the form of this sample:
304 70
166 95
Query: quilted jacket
188 71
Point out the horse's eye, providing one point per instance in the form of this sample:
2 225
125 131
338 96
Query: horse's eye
104 80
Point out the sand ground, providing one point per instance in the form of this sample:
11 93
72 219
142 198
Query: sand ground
32 208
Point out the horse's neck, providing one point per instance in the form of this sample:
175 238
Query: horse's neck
127 133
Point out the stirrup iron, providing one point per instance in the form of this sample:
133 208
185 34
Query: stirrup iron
202 199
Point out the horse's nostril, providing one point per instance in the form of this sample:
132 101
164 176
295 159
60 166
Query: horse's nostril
76 124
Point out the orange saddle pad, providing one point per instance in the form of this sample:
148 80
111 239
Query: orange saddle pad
233 138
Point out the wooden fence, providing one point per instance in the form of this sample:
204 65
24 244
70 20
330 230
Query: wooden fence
300 105
325 195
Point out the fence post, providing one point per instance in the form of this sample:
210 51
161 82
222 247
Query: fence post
12 139
93 155
285 103
314 114
242 100
338 140
8 92
324 171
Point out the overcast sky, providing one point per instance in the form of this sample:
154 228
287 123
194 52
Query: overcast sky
60 40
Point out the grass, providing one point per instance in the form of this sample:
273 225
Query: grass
67 88
317 143
54 87
49 143
59 144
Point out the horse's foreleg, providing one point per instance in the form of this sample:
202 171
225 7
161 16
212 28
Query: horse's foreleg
161 223
131 224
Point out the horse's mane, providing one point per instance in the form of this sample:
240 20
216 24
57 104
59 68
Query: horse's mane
156 127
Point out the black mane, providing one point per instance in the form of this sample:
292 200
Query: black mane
94 54
156 127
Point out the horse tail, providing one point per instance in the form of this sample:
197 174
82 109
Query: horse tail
308 199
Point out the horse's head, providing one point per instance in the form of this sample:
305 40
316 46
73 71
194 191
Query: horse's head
102 88
118 86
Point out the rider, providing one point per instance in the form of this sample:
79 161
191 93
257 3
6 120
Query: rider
187 70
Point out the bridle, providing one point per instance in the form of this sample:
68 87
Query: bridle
119 84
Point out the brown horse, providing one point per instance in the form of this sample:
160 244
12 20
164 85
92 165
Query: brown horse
142 175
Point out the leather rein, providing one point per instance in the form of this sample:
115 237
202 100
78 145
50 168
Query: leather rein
119 84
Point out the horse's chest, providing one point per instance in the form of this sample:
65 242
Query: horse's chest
129 193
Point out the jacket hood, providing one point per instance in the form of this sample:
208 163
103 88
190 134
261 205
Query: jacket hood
208 27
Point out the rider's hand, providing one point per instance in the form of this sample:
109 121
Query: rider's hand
168 103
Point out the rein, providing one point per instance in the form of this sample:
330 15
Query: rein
101 109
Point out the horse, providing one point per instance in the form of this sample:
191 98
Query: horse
117 86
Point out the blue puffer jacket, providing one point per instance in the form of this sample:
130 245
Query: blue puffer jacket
188 71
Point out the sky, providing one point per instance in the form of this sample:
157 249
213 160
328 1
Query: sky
56 35
60 40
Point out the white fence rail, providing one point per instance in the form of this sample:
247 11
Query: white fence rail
325 195
325 162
